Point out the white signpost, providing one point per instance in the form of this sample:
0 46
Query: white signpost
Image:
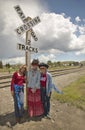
27 28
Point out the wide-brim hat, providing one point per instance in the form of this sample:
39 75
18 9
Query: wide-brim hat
35 62
43 65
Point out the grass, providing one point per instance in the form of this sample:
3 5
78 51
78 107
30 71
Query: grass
4 69
73 94
8 70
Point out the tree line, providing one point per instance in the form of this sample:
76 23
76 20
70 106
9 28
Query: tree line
7 65
63 63
51 64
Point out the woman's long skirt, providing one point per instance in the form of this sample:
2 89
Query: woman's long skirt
35 107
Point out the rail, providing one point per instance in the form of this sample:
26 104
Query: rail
6 79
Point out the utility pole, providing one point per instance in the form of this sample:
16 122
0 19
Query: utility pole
27 59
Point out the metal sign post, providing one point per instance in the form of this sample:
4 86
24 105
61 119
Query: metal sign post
27 28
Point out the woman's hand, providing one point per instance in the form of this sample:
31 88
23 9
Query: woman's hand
49 94
34 90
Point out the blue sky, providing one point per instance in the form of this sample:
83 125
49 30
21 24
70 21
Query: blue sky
61 33
71 8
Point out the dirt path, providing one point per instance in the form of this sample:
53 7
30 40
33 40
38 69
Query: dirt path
63 116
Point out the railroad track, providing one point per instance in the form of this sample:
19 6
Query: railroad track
66 71
6 79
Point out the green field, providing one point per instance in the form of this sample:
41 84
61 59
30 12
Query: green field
73 94
8 69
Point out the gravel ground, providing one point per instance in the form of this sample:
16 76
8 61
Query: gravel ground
63 116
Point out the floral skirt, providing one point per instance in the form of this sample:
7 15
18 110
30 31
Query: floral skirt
35 107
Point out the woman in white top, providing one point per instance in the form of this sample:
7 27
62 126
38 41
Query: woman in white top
35 107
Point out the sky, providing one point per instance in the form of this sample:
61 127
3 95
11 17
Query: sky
61 32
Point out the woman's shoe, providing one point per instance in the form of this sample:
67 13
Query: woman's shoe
18 119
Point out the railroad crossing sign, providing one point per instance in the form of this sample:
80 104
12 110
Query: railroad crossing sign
27 26
23 18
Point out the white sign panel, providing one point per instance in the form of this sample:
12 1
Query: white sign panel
27 48
33 35
23 18
20 13
27 26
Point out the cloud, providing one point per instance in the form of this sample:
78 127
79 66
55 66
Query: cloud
80 52
44 58
82 29
21 60
56 33
77 19
16 60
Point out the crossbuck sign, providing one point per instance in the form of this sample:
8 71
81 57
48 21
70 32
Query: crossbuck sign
27 26
23 18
